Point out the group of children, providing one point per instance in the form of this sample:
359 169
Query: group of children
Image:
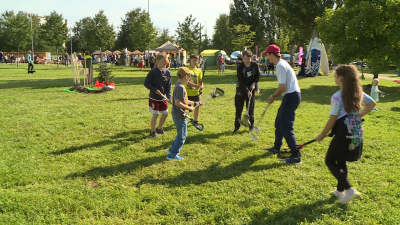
344 123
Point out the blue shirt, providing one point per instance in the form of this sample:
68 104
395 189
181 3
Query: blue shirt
29 58
249 74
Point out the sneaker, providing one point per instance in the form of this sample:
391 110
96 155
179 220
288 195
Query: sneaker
376 109
160 131
349 195
176 157
292 160
338 194
273 150
153 134
236 130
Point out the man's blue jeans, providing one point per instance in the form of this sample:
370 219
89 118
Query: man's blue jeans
181 128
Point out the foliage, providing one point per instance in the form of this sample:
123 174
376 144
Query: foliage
188 34
55 30
105 74
223 34
102 32
363 30
243 37
137 31
260 15
162 37
15 31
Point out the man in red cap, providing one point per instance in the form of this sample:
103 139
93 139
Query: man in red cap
290 91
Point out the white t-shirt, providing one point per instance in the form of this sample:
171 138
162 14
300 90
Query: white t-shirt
286 75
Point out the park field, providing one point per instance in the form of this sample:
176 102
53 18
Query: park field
74 158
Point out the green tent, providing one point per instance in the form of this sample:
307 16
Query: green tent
211 56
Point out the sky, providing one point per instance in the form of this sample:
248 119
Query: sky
164 14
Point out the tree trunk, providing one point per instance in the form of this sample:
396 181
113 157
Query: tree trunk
18 56
292 55
376 75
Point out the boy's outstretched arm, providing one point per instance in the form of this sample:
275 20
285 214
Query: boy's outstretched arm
147 82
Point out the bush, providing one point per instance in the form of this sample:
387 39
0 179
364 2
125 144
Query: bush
105 74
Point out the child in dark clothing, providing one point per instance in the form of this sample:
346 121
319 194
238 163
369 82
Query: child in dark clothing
158 80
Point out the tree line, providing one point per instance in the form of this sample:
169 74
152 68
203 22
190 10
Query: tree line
350 29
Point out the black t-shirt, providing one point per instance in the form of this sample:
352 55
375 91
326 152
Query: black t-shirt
249 74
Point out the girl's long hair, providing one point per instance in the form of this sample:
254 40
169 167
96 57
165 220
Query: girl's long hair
352 92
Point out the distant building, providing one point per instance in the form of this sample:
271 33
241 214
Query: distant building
41 18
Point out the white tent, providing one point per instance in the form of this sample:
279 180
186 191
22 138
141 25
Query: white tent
172 47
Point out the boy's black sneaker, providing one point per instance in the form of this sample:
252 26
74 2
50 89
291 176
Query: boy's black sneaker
236 130
153 134
160 131
292 160
273 150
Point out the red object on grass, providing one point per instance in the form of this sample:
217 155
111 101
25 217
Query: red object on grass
397 81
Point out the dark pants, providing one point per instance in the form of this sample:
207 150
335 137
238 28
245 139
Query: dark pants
284 122
30 66
240 99
337 165
152 65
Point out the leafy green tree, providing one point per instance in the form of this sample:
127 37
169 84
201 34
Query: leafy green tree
259 15
55 30
162 37
363 30
188 34
243 36
15 31
102 33
205 42
137 31
81 40
223 34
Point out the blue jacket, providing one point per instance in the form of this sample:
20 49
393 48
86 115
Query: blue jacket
158 80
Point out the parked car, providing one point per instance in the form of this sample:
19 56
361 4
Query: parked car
234 56
228 60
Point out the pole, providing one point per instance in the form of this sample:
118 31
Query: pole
148 13
33 52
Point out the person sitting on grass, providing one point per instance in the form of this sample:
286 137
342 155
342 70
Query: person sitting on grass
179 108
158 81
195 84
346 125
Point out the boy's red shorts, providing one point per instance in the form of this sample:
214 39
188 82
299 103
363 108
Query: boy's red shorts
140 64
158 107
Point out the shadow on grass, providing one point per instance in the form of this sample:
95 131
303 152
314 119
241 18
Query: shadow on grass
122 140
396 109
127 99
298 213
124 168
213 173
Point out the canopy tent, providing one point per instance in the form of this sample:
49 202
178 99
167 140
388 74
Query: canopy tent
136 52
211 55
107 52
117 52
173 48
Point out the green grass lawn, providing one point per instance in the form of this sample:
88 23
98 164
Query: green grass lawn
72 158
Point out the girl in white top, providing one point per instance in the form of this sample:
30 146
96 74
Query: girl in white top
375 91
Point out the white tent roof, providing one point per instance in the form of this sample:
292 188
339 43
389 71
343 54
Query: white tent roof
168 46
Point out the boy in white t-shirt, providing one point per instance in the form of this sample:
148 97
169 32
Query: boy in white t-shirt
290 90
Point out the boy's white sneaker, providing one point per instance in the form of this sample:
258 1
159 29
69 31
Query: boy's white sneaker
338 194
349 195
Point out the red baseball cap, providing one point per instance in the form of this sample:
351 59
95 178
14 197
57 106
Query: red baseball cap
272 49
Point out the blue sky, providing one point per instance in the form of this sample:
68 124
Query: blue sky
164 14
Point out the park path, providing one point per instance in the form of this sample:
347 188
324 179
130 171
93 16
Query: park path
382 76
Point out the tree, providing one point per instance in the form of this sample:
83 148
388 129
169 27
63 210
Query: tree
15 31
205 42
363 30
81 39
137 31
188 34
102 33
56 31
243 36
259 15
162 37
222 37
